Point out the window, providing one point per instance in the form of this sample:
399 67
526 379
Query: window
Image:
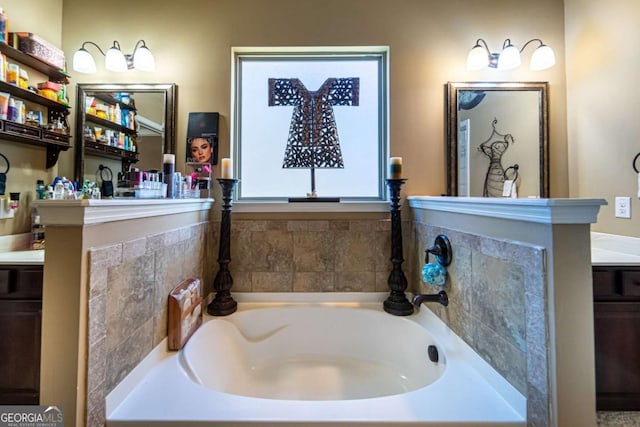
309 118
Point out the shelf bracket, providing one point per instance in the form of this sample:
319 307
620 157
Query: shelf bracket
53 152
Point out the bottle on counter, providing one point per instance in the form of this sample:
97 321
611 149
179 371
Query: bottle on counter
58 190
41 190
168 170
37 230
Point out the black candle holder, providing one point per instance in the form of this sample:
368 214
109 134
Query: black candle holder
223 303
397 302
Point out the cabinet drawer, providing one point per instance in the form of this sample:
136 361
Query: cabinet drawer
23 130
21 282
631 283
55 137
604 283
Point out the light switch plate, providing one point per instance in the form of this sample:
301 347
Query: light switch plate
623 207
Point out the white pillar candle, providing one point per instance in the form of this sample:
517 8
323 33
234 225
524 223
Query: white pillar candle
226 168
395 168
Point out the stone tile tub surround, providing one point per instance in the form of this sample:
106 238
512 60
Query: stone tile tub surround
341 255
128 287
497 305
562 227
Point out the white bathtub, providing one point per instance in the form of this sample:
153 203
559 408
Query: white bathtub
316 359
312 353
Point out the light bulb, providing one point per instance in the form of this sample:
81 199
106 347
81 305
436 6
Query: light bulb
83 62
478 58
114 60
509 58
143 60
542 58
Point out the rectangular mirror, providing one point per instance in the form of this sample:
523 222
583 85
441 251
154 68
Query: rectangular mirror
497 134
143 131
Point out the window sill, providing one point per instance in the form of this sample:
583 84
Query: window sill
347 206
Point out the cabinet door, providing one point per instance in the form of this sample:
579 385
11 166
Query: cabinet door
617 343
20 351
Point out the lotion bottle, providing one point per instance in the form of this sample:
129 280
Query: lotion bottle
168 169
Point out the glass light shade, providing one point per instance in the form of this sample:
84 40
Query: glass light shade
509 58
83 62
477 59
542 58
143 60
115 61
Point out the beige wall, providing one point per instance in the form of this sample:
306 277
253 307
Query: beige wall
429 41
603 104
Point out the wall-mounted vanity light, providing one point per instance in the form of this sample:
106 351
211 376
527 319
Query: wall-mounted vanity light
114 59
480 56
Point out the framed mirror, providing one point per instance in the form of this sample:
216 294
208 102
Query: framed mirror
497 139
123 125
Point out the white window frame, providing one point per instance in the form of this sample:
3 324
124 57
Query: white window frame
379 53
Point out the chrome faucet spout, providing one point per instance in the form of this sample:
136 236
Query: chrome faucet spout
441 298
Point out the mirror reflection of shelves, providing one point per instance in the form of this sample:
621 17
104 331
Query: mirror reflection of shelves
54 140
109 124
112 135
152 115
100 149
112 100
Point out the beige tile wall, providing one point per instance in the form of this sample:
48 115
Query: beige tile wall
497 304
496 289
312 255
128 288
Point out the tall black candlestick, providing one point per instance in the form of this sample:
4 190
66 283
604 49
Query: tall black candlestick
397 303
223 303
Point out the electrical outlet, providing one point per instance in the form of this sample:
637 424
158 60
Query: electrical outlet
623 207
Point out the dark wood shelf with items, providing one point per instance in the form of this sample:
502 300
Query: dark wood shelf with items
54 141
616 296
55 74
27 95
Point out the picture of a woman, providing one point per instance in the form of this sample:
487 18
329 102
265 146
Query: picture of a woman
200 150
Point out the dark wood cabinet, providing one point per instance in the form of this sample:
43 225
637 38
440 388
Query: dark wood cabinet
20 326
616 293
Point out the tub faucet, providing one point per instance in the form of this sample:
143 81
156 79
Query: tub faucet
441 297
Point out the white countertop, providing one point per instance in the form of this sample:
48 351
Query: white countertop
613 249
538 210
88 211
27 257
